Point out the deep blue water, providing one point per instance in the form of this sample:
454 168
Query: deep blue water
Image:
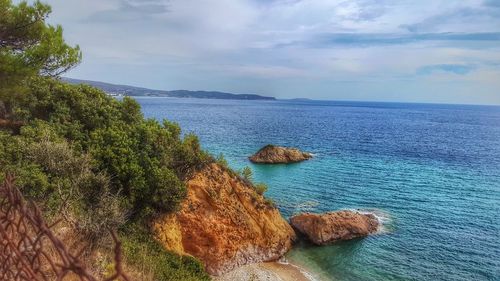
431 172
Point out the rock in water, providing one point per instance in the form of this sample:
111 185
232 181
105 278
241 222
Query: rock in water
272 154
225 223
329 227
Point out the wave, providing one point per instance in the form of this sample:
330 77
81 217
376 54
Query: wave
304 272
384 218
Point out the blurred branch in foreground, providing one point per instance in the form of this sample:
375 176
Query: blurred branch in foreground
29 250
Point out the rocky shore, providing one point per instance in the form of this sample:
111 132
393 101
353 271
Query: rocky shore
232 229
272 154
225 223
269 271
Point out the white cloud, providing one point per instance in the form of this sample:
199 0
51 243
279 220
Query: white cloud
277 40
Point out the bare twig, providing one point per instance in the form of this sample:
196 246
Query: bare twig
26 241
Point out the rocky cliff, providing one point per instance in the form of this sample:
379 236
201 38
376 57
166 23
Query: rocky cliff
272 154
224 223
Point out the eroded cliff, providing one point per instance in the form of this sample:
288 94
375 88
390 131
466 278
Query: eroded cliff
225 223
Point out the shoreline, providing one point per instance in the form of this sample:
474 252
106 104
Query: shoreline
290 271
268 271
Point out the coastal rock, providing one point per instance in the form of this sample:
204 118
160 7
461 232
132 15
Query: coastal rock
272 154
224 223
329 227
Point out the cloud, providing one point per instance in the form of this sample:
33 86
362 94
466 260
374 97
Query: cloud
463 18
491 3
450 68
263 71
372 39
285 47
129 10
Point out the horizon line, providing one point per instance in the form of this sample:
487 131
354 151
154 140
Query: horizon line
289 99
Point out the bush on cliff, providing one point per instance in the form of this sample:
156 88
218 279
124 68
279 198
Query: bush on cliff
145 160
99 161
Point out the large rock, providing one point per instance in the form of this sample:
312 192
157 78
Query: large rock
329 227
272 154
225 223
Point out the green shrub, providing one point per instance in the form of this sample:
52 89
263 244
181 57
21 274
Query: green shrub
246 173
260 188
146 161
142 251
95 158
79 194
270 202
221 160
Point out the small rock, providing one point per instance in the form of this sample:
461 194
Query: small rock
271 154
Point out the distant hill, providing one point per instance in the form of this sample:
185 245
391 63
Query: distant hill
300 99
125 90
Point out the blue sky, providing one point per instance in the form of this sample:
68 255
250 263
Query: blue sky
445 51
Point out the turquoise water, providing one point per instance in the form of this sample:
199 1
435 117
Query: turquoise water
430 172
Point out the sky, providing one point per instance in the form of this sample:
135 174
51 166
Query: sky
440 51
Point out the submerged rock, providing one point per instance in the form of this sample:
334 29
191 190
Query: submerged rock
329 227
272 154
224 223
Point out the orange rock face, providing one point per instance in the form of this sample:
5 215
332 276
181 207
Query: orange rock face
225 223
271 154
326 228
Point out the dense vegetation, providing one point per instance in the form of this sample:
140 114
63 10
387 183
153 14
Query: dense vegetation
92 159
100 161
78 126
29 47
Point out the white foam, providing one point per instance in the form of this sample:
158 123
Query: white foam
307 274
383 218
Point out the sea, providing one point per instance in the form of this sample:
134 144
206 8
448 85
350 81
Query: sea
430 172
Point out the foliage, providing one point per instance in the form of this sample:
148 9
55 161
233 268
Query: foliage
142 251
51 172
270 202
81 154
95 159
260 188
246 173
28 47
221 160
145 160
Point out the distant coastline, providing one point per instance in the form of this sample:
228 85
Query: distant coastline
125 90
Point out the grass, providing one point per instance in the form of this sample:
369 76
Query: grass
148 257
